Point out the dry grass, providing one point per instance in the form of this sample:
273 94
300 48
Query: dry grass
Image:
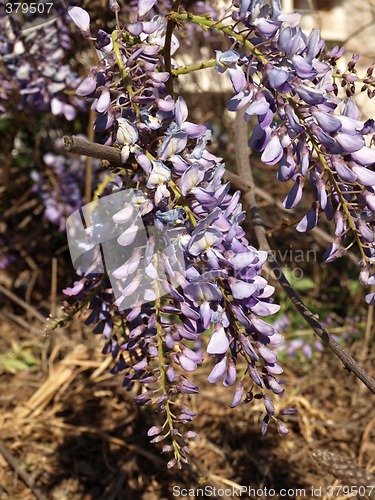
73 432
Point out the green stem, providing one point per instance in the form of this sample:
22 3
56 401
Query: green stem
120 63
184 70
206 22
182 201
163 376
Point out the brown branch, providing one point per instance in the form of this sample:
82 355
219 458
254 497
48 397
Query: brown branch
343 469
167 48
245 172
80 146
22 303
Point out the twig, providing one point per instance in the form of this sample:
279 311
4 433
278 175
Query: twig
88 176
80 146
167 48
22 303
343 468
368 330
245 172
243 185
8 316
53 287
20 472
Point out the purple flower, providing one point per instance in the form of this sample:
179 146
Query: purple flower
81 19
219 342
272 152
310 220
144 6
225 60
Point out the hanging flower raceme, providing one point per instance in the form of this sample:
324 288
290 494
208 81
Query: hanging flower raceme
289 85
186 267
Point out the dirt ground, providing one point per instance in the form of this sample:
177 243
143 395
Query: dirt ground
68 429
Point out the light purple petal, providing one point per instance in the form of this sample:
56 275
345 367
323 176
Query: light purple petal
291 19
329 123
265 308
295 194
303 67
181 111
370 200
87 86
277 77
242 260
322 193
343 170
81 19
241 289
263 327
364 156
364 175
231 375
238 78
204 240
310 220
128 236
144 162
310 95
205 314
351 109
104 101
202 292
144 6
370 299
124 214
258 107
193 130
191 177
218 343
350 126
186 363
366 233
350 143
238 393
217 371
266 27
268 355
272 152
240 100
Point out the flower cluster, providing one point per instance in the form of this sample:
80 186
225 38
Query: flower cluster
284 79
209 282
36 75
61 188
203 276
304 346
